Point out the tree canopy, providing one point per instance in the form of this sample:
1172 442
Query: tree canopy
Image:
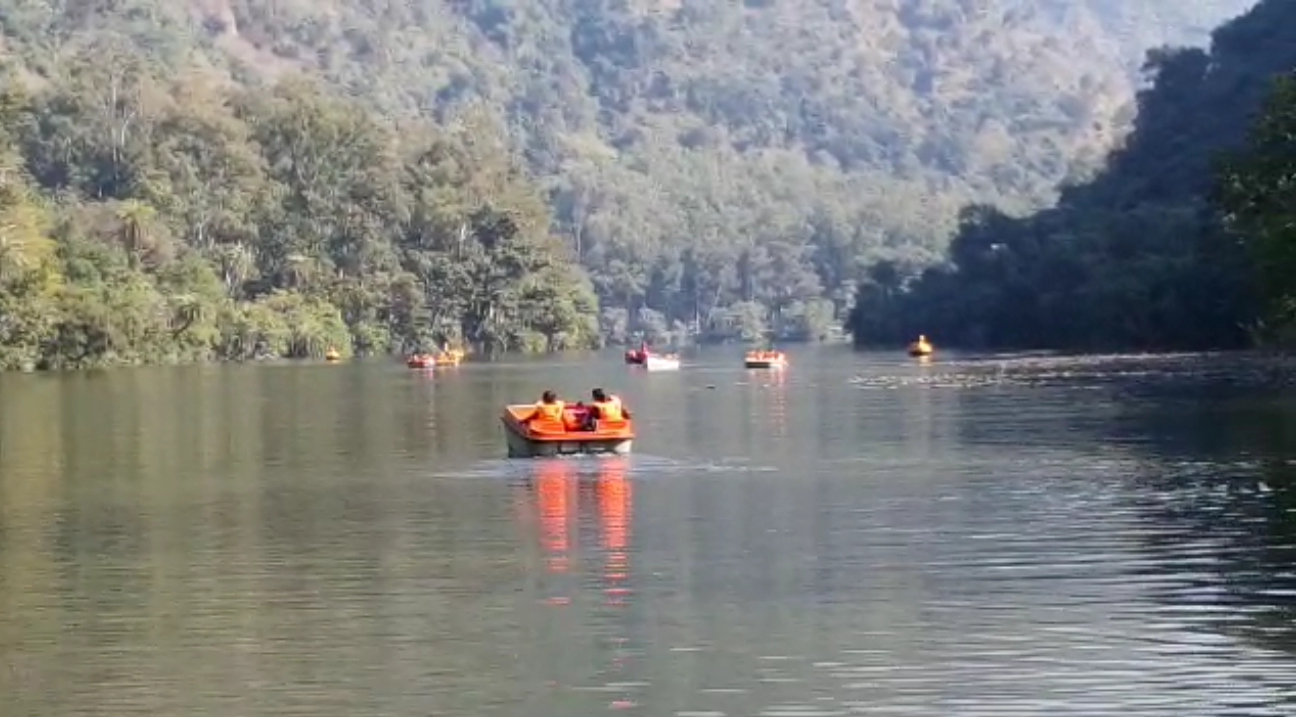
241 178
144 219
1152 253
1257 190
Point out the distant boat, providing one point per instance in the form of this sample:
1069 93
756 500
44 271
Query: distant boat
921 347
664 362
421 361
332 355
651 361
452 357
639 356
444 359
765 359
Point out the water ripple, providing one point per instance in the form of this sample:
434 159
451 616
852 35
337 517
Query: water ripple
996 536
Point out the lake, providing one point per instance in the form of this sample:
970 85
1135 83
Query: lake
861 534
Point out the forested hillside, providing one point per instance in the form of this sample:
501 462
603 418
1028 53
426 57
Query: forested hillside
190 221
1142 255
727 167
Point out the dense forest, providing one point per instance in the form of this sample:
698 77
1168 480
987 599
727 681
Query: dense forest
1183 241
243 178
190 221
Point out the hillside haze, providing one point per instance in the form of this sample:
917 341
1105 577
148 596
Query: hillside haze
731 165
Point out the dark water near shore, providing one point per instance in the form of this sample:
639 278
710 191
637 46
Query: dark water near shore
860 535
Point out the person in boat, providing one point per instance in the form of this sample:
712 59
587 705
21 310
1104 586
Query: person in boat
576 418
548 409
605 408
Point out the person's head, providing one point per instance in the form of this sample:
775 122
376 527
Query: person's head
599 395
549 397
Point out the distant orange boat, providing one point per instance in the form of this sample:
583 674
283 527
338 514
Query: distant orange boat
453 357
765 359
421 361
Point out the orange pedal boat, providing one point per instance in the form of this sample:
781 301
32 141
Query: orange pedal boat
538 438
765 359
421 361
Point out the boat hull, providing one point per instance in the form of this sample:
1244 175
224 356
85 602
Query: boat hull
522 447
765 364
661 364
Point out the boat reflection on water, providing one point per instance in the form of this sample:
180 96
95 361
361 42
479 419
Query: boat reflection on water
771 387
568 492
614 502
579 512
553 489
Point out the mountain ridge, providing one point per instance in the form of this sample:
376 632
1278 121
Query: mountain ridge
729 169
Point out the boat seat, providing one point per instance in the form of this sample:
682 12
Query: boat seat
546 425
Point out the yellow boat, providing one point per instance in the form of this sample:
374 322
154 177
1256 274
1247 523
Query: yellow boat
921 347
528 438
332 355
440 359
765 359
453 357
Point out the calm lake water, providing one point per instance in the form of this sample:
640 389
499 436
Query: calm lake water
860 535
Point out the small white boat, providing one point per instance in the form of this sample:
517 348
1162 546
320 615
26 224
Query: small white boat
654 362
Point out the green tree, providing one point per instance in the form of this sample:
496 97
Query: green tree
1258 191
1139 256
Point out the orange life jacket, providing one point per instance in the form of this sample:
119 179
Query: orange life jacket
549 411
610 410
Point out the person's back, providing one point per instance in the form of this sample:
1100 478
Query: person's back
607 408
549 408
